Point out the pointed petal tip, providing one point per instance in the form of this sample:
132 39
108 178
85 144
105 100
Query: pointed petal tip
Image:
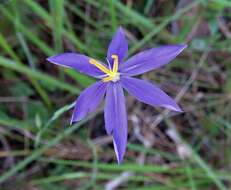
109 132
121 28
49 58
119 157
73 121
183 46
76 118
119 161
118 45
179 110
174 108
52 59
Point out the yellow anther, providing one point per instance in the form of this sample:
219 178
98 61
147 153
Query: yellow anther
99 66
116 63
112 75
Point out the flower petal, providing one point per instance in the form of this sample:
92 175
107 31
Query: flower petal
148 93
118 46
150 59
88 100
76 61
116 118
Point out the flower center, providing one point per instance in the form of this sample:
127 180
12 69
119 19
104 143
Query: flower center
112 75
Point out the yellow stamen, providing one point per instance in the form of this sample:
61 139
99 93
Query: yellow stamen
99 66
116 63
107 79
112 75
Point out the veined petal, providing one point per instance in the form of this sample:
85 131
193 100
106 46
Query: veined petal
88 100
78 62
118 46
148 93
116 118
150 59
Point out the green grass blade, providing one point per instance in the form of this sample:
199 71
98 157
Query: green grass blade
158 28
57 12
133 15
48 80
113 15
225 3
211 174
7 48
37 153
36 7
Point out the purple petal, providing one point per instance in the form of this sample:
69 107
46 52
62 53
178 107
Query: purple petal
76 61
118 46
116 118
88 100
150 59
148 93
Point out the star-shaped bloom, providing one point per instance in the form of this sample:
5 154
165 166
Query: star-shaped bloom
113 78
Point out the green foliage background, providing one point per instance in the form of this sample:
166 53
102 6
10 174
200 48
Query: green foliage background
38 148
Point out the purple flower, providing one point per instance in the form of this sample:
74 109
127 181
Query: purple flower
115 77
